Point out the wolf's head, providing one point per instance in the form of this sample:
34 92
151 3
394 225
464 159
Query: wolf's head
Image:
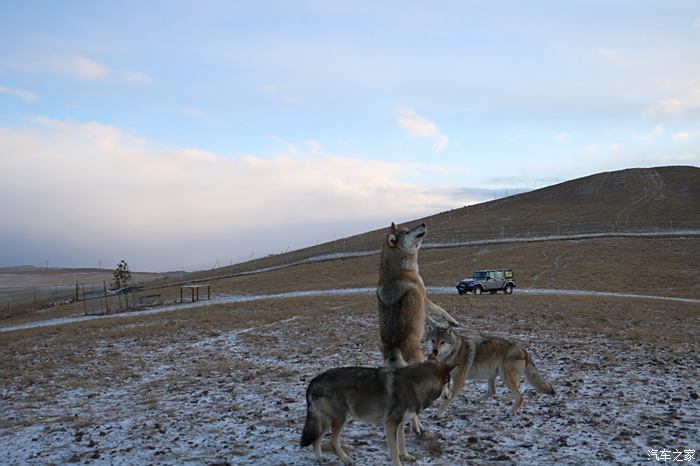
405 241
442 341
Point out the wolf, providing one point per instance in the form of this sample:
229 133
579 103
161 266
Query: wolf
402 297
483 358
389 396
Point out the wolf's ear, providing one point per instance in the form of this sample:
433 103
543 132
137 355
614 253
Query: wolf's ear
392 228
391 240
449 331
429 325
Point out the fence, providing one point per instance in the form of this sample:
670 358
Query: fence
97 299
111 302
450 227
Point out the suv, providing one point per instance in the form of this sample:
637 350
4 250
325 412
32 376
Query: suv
488 280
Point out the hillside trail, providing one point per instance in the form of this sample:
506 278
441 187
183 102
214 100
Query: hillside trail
243 298
652 188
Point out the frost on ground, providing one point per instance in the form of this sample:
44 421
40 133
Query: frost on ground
226 384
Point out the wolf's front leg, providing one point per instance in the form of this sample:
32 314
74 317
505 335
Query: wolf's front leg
435 309
391 431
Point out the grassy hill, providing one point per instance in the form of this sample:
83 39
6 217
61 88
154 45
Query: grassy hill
665 199
658 200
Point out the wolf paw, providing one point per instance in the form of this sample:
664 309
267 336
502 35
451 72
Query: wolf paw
407 457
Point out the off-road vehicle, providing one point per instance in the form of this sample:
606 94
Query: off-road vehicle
493 281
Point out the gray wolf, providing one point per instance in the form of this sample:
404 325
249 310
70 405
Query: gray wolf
483 358
402 297
389 396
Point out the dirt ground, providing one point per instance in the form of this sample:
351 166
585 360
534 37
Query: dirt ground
225 384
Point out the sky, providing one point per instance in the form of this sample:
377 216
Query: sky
193 134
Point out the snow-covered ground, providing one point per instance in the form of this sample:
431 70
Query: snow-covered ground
237 397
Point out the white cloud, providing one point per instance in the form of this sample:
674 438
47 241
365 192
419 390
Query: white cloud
561 137
685 136
696 23
420 127
676 106
23 94
614 147
77 67
95 186
136 77
658 129
441 143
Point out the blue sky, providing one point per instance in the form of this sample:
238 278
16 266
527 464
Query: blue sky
175 134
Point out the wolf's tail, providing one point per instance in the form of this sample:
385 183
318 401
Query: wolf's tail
313 428
535 379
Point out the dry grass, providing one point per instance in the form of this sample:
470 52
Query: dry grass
193 368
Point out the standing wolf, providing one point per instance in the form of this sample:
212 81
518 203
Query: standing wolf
389 396
483 358
403 301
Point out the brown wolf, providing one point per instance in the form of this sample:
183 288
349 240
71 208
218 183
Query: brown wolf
483 358
389 396
402 297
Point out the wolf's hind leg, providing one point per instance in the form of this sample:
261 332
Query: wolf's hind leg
336 428
490 391
317 451
417 427
510 379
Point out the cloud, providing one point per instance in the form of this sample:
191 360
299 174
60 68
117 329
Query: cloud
561 137
91 187
696 23
686 135
658 129
23 94
78 67
136 77
420 127
676 106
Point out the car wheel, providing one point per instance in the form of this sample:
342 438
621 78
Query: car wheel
478 290
508 289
